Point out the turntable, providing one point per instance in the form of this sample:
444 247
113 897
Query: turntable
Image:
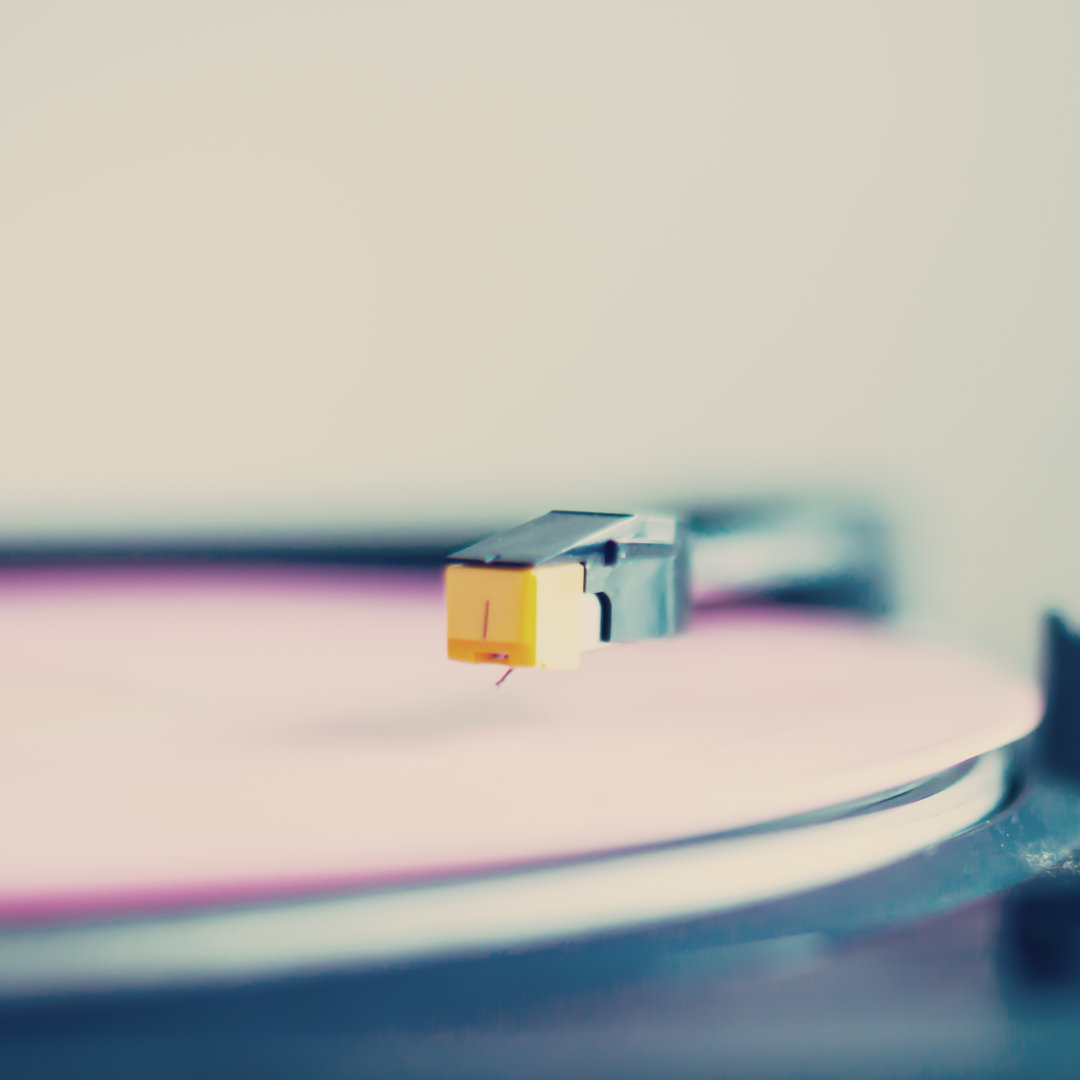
251 804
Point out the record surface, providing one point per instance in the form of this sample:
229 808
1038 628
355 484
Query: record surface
177 737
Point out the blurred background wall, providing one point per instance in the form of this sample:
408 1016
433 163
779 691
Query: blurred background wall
284 266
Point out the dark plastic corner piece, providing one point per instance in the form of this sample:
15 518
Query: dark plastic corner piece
1057 741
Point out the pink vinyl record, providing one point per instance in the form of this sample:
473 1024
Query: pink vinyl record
178 737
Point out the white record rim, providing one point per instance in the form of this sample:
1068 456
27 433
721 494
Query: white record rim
469 916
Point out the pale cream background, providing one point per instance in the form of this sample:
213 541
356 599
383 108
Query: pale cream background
286 265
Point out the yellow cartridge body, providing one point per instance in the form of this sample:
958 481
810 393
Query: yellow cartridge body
517 617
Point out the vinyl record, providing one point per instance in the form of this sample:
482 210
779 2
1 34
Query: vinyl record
185 737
